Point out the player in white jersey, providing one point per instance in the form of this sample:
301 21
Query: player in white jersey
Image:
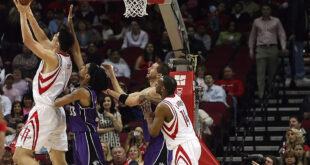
46 124
172 119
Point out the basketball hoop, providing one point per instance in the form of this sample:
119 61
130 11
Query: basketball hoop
135 8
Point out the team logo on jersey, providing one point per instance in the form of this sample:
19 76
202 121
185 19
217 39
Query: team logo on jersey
180 79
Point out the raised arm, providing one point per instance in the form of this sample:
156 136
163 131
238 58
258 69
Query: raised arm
110 72
38 32
47 55
76 51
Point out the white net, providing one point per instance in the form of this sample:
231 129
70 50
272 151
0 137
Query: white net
135 8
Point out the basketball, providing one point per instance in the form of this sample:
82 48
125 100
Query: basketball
25 2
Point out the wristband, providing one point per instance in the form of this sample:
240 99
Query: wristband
3 126
122 98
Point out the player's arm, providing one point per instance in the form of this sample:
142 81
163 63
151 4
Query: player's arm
110 72
76 51
77 94
38 32
133 98
154 125
46 55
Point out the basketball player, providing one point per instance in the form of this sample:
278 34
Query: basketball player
171 118
93 79
46 124
156 152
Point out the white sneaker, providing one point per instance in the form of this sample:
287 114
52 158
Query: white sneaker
303 82
288 82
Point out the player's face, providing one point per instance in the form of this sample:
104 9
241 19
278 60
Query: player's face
107 103
159 86
152 72
84 71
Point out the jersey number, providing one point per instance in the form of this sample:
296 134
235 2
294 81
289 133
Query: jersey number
185 117
72 111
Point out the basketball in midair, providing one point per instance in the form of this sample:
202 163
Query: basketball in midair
25 2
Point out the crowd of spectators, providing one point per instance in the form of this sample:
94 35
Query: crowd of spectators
104 35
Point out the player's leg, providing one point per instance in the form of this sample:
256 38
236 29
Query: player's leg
24 157
187 153
95 147
58 157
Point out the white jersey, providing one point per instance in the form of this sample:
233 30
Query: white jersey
47 86
180 129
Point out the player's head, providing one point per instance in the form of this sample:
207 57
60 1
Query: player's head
94 76
63 40
166 86
157 70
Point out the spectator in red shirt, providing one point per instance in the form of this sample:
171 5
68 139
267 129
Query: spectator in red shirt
233 87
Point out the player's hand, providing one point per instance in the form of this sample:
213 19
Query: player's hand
108 69
21 8
143 99
147 110
70 23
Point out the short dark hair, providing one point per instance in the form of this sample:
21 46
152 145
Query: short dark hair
98 78
274 159
170 84
65 39
163 68
299 118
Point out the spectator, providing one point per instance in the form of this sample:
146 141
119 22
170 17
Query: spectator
136 37
59 4
230 36
16 114
19 83
136 138
27 103
289 158
202 36
200 77
86 12
38 16
107 152
58 21
295 122
145 61
241 18
6 104
222 15
213 20
187 17
135 154
121 68
213 93
10 140
124 24
27 62
297 35
107 31
92 54
164 45
232 86
110 122
301 154
250 7
196 46
293 137
84 35
119 157
270 160
12 93
264 34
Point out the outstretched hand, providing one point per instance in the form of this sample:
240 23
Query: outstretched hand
70 22
21 8
108 69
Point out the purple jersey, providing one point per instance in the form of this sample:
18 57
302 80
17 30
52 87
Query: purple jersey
84 119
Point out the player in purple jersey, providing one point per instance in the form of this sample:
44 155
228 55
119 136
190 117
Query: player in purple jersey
93 79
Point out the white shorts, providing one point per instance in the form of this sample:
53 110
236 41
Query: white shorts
46 126
187 153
